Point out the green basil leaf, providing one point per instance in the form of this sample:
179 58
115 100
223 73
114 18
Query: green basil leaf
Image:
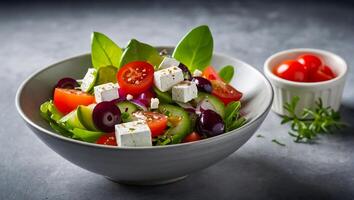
195 50
60 129
104 51
233 118
138 51
232 109
226 73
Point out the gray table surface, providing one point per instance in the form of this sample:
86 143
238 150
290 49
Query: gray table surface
34 36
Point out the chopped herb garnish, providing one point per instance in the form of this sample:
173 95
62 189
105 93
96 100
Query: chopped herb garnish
278 143
311 122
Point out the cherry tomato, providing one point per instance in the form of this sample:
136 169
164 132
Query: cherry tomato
322 74
67 100
291 70
211 74
194 136
225 92
311 62
107 139
136 77
319 76
327 70
157 122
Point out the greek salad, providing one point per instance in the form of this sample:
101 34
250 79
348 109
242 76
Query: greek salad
136 96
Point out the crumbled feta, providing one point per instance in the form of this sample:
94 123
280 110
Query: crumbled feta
168 62
133 134
129 97
106 92
197 72
184 91
88 80
154 103
166 78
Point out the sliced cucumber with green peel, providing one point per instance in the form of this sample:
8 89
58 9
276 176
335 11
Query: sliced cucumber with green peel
176 134
106 75
84 114
89 80
164 97
85 135
71 120
217 103
128 108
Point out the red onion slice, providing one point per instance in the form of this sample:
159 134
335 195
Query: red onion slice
186 106
204 105
140 104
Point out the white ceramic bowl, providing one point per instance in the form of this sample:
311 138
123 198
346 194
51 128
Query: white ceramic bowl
144 165
329 91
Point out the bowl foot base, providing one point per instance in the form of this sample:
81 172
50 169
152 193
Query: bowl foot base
142 183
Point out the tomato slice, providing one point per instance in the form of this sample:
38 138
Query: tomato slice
107 139
225 92
292 70
157 122
67 100
136 77
210 73
311 62
194 136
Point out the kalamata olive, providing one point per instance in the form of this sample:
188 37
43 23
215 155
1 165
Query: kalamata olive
67 83
105 116
210 124
186 73
203 84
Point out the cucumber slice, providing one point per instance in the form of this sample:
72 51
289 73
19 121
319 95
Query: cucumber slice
106 75
164 97
89 80
85 135
176 134
71 120
217 103
128 108
85 116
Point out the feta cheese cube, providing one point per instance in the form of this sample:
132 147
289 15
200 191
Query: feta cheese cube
133 134
168 62
154 103
89 79
106 92
184 91
129 97
166 78
197 72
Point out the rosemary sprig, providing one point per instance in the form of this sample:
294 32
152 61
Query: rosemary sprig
310 123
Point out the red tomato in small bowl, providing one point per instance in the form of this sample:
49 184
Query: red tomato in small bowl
311 62
136 77
225 92
67 100
291 70
324 73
